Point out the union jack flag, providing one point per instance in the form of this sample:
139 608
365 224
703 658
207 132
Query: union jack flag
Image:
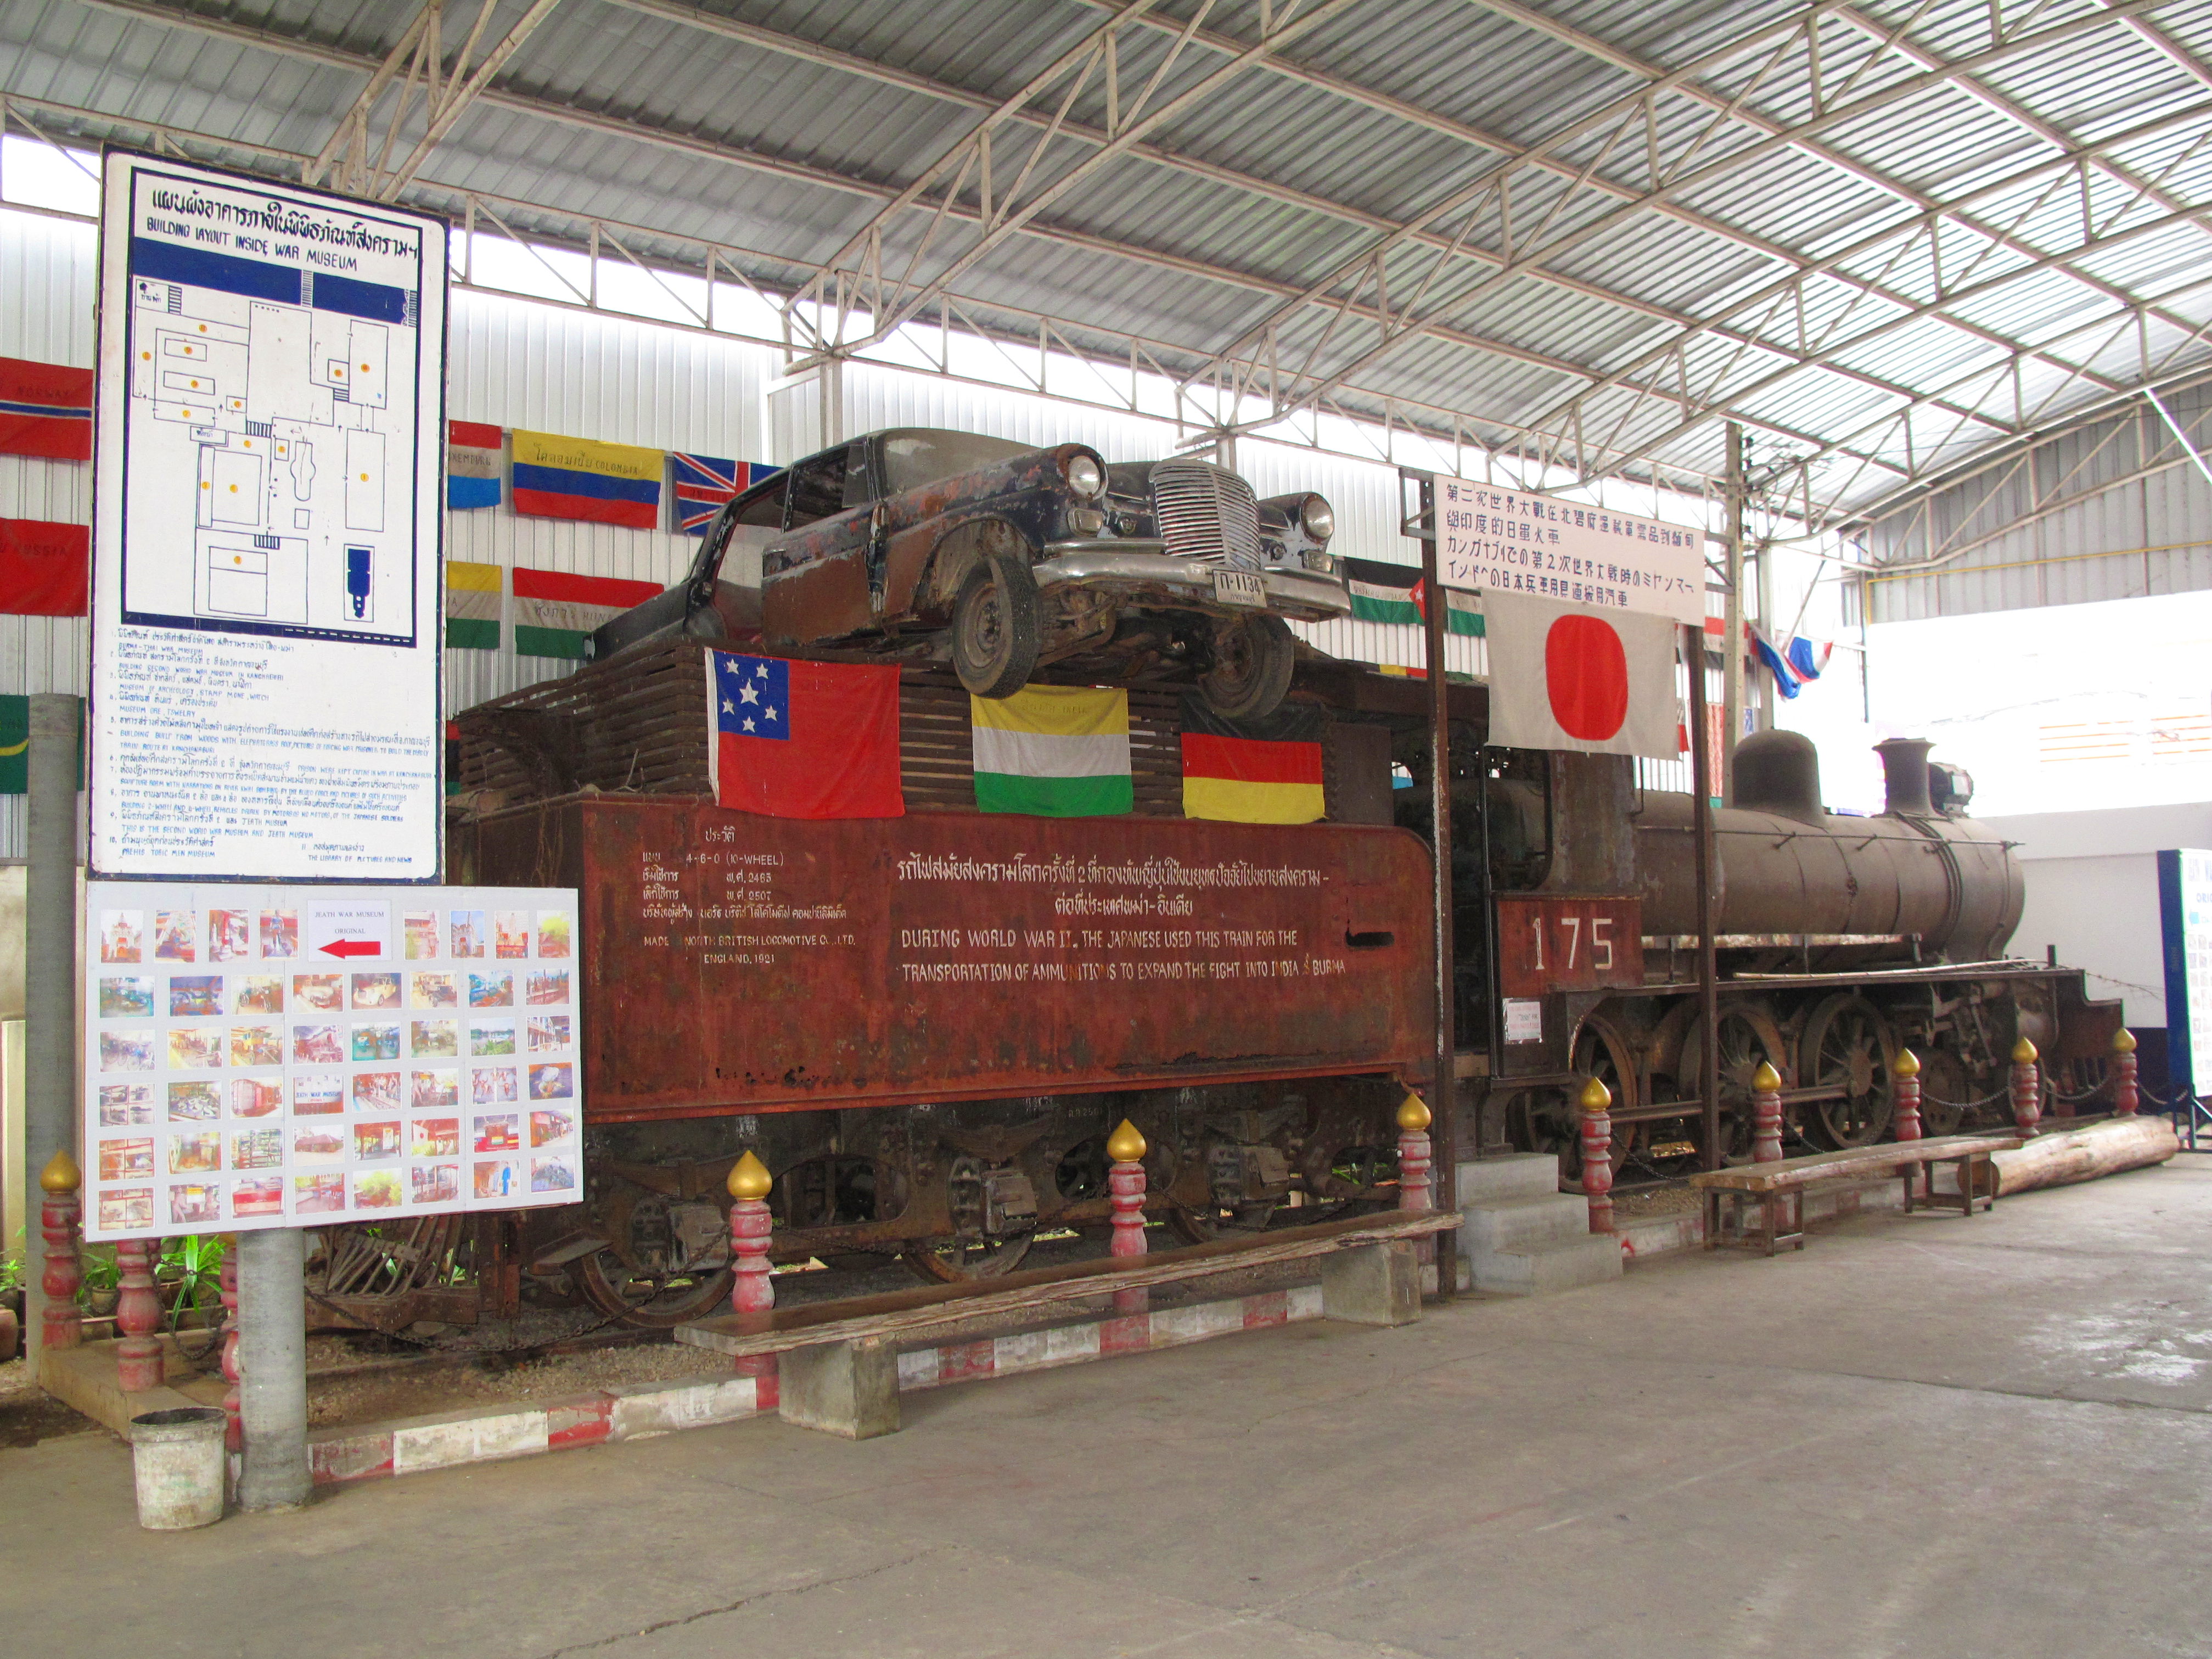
704 482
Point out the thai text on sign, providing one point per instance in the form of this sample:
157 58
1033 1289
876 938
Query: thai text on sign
1494 537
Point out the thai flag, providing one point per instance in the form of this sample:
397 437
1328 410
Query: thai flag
705 483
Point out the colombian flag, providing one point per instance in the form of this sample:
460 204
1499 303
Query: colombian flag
576 478
1059 751
1252 771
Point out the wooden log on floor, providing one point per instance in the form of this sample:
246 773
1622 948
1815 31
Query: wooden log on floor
2083 1154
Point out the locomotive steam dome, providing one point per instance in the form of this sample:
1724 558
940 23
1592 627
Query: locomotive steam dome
1787 868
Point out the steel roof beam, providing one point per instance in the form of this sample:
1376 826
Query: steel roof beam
703 149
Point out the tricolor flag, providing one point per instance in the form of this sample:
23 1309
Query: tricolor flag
1787 680
471 464
702 483
46 410
804 739
1580 676
576 478
43 568
1808 658
1252 771
1059 751
1383 592
1462 610
472 593
554 612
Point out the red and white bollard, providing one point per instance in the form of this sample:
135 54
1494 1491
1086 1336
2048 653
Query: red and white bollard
1598 1154
1766 1115
1124 1188
234 1439
1413 1155
754 1292
1904 1094
2126 1095
59 1213
137 1315
2027 1087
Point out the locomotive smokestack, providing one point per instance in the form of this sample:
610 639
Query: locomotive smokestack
1905 776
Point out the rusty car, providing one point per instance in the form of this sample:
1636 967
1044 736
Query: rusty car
1001 559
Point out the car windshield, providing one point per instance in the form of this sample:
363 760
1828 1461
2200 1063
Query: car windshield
918 455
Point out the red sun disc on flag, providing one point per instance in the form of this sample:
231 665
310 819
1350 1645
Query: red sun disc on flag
1586 676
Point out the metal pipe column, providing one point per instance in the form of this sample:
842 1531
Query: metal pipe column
1732 620
272 1368
1709 1007
1444 1098
50 927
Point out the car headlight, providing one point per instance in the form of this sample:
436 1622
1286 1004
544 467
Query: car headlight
1318 518
1085 477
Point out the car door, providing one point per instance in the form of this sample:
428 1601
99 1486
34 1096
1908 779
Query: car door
815 580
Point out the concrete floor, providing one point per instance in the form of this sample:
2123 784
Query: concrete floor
1922 1436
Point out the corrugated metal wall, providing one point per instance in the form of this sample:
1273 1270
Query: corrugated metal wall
2116 540
47 276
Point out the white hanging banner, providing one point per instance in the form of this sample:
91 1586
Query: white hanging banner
1492 537
295 1057
267 532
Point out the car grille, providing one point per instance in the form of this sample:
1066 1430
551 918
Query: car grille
1206 512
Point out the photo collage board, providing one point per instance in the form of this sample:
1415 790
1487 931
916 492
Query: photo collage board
299 1056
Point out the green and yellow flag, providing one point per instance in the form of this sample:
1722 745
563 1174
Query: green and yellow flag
1060 751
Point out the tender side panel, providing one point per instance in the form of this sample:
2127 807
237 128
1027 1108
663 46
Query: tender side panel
750 963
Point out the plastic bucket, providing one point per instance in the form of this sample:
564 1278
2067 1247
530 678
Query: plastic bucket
179 1459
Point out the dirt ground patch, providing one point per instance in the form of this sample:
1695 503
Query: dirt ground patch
28 1414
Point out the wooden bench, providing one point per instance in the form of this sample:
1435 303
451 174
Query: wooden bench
838 1361
1788 1180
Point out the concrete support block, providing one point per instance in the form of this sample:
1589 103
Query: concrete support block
1374 1285
849 1388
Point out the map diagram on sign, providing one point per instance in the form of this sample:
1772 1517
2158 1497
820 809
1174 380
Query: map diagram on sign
271 425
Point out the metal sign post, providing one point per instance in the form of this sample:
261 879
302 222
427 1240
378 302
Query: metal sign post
1445 1096
1701 785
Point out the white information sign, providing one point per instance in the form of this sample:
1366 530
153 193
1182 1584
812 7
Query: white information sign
262 1056
1490 537
266 532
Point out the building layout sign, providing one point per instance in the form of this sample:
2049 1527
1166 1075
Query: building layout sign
261 1056
1488 536
2185 905
266 532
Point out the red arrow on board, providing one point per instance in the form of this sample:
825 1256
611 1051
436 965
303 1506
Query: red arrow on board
352 947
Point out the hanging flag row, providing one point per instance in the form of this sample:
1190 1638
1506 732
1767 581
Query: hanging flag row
821 740
550 477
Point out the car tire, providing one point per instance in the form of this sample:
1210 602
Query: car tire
997 628
1251 675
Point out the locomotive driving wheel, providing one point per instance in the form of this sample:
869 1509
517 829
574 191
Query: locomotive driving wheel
650 1296
1849 1045
1749 1035
969 1251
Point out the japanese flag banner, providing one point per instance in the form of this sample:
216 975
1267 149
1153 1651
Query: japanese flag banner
1580 676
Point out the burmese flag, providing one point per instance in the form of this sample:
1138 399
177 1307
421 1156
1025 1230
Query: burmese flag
556 612
1265 771
472 593
1059 751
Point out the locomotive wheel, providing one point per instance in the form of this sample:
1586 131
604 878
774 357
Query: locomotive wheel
1943 1078
650 1302
956 1260
1364 1167
1599 1050
1748 1035
1848 1044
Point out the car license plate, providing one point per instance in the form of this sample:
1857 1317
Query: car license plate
1239 588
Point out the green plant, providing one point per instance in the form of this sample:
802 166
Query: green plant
11 1271
96 1262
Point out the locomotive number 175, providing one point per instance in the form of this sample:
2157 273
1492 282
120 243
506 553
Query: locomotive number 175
1547 945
